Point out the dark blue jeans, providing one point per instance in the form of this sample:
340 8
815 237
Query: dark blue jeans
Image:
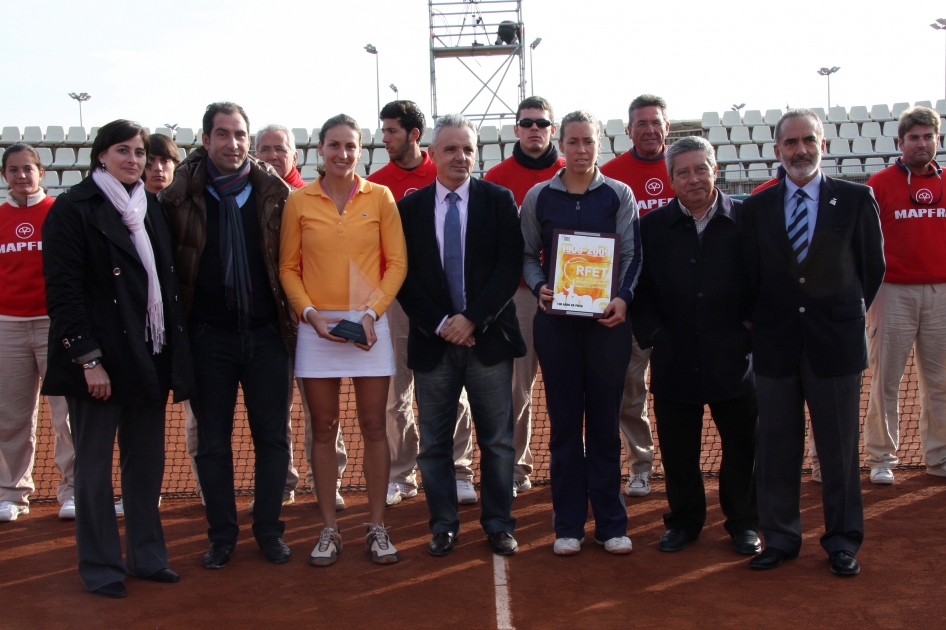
256 360
489 389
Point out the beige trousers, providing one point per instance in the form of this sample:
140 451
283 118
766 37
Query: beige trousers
292 476
22 366
635 426
524 370
403 437
905 316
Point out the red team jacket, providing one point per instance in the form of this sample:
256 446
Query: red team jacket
22 288
647 178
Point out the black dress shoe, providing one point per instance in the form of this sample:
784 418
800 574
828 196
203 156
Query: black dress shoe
115 590
218 555
746 542
674 539
275 550
844 563
502 543
165 576
442 544
770 558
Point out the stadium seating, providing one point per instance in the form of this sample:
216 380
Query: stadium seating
378 138
749 153
425 139
622 144
70 178
862 145
768 151
33 135
380 156
885 144
65 158
489 134
923 104
45 156
821 114
489 164
761 134
871 130
839 146
830 131
84 158
507 133
734 173
360 169
9 135
76 136
605 144
55 135
759 172
300 136
726 153
181 151
837 115
614 127
880 113
375 167
604 158
309 172
851 166
731 119
491 152
874 165
752 118
848 131
740 135
891 129
710 120
716 136
50 179
899 108
859 114
941 107
772 117
164 131
312 156
185 137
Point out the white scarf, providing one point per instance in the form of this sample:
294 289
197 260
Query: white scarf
133 209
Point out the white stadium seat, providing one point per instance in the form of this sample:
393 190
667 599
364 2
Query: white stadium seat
65 158
899 108
761 134
491 152
830 131
923 104
874 165
614 127
839 146
759 172
70 178
507 150
716 136
749 152
941 107
314 140
604 158
378 140
829 167
507 133
605 144
425 139
32 135
768 151
312 157
185 137
885 144
299 134
76 136
55 135
300 156
891 129
55 192
309 172
489 164
365 157
752 118
360 169
871 130
380 156
740 135
50 180
9 135
376 167
851 166
365 137
84 158
731 119
181 151
848 131
859 114
489 134
734 173
45 156
623 144
710 119
880 113
726 153
837 114
165 131
862 145
821 114
772 116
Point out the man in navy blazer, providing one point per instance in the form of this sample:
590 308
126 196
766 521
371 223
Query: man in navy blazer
814 254
464 251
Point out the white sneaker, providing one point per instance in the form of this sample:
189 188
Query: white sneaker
120 508
10 511
638 485
882 476
393 496
378 544
520 486
288 498
68 510
466 495
327 549
567 546
617 545
339 501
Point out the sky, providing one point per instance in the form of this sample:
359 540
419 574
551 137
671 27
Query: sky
299 62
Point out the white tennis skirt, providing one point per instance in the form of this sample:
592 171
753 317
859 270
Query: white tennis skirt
321 358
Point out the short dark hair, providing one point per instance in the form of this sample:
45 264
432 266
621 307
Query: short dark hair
164 147
646 100
222 107
338 120
913 117
535 102
18 147
114 132
407 114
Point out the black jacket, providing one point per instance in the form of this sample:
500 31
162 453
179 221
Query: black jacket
690 305
97 294
492 270
817 307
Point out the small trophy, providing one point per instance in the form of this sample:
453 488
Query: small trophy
362 295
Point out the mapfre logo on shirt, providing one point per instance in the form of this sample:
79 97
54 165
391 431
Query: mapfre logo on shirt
24 231
654 186
924 196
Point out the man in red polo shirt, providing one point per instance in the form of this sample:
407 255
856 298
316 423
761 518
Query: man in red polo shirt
410 169
643 169
534 160
910 308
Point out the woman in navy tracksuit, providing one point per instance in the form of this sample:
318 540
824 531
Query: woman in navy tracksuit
583 360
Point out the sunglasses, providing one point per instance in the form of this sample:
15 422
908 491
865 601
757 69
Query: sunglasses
542 123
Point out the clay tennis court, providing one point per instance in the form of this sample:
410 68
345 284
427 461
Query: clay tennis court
707 585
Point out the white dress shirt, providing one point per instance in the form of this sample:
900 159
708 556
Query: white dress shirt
813 190
441 205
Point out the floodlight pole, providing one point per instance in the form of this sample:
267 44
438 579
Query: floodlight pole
940 25
377 76
533 46
81 98
827 72
397 95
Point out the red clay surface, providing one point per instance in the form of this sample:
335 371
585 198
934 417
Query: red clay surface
705 586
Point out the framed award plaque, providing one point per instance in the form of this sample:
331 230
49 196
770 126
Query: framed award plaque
584 272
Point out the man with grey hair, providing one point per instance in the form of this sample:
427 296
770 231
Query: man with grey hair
276 146
691 301
815 260
464 251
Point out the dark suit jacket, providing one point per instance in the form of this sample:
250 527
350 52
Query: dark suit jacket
492 270
691 300
97 295
817 307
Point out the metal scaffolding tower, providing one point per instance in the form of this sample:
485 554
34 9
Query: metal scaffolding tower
471 31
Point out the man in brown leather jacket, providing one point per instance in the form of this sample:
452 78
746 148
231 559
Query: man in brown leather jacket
224 209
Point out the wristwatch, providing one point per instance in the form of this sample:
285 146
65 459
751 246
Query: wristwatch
91 364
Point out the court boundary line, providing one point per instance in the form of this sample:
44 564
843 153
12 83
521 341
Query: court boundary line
501 587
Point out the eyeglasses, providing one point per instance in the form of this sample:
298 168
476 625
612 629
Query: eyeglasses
924 194
541 122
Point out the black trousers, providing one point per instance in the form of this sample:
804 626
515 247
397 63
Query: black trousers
680 429
141 457
834 407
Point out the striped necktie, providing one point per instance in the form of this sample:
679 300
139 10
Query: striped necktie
453 253
798 227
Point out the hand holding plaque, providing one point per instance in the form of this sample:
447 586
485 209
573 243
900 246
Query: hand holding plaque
362 295
583 274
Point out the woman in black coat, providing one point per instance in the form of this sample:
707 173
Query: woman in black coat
117 345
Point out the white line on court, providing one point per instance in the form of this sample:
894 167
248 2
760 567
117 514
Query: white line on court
503 614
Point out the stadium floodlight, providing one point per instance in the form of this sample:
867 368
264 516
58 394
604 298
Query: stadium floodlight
535 44
396 95
377 77
737 108
827 72
81 97
171 127
939 24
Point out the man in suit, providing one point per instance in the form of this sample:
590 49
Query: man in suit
814 254
464 250
691 301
